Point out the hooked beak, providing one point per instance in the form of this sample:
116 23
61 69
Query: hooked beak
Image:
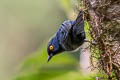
49 57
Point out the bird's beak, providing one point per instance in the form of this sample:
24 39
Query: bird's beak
49 57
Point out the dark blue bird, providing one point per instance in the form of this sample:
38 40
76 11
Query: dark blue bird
69 36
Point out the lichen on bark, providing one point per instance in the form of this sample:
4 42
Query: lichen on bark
104 18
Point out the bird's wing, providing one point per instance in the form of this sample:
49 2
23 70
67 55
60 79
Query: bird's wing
63 34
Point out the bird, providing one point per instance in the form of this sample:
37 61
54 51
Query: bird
69 37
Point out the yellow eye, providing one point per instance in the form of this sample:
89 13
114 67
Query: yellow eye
51 47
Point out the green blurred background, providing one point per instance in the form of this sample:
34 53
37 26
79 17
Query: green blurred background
25 28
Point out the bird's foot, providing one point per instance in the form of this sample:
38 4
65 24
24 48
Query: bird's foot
91 42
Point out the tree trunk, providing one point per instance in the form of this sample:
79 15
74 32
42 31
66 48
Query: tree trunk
104 18
85 59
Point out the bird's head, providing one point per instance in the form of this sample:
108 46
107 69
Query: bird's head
53 48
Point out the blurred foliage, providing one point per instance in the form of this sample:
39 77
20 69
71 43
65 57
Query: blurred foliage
24 25
66 5
61 67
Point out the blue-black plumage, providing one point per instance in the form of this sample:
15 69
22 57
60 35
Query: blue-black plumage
69 36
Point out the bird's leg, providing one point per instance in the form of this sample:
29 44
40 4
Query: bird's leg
84 49
86 40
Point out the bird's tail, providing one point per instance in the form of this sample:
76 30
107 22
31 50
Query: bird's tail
80 18
78 28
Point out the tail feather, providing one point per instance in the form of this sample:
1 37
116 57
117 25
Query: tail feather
78 32
79 19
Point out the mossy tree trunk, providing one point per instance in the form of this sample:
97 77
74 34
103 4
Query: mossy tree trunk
104 18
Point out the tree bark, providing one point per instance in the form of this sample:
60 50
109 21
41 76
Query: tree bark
104 18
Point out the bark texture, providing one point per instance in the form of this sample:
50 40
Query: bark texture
104 18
